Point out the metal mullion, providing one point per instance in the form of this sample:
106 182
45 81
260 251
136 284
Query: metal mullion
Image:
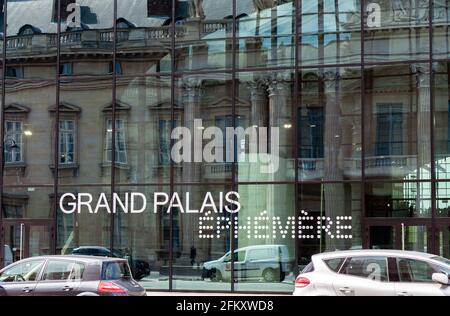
172 142
233 166
56 129
2 125
114 131
434 245
296 103
362 124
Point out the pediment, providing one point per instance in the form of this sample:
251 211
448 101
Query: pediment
16 108
66 107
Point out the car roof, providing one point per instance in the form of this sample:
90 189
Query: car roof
85 259
258 247
373 252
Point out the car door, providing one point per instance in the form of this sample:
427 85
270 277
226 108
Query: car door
21 278
364 276
416 279
60 278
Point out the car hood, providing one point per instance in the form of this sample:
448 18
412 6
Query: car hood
210 264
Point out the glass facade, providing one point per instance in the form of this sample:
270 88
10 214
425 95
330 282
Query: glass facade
330 120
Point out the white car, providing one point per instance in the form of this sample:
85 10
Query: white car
374 273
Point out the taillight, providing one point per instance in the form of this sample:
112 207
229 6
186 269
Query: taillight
110 287
302 282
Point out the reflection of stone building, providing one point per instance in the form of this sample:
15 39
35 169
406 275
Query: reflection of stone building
331 136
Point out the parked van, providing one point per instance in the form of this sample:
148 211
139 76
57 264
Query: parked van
270 263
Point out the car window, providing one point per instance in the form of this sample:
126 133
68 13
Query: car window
335 264
115 270
239 256
262 254
372 268
411 270
23 272
63 271
309 268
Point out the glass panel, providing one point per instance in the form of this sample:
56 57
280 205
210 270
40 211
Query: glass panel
444 241
398 140
28 202
87 28
143 37
143 130
416 238
332 215
83 221
201 230
398 32
29 32
87 104
39 242
443 199
14 247
406 199
265 238
382 237
143 238
442 119
265 37
330 32
329 125
204 38
441 21
28 132
265 129
202 152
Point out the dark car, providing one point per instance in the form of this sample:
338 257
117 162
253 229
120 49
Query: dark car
139 268
69 276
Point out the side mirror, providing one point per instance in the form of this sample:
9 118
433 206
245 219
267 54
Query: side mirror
441 278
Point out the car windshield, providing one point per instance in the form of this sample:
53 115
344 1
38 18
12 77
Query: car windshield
115 270
441 259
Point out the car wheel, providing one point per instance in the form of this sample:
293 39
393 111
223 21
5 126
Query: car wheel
270 275
216 275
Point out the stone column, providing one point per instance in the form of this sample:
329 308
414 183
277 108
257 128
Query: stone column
423 119
334 193
280 111
259 103
192 95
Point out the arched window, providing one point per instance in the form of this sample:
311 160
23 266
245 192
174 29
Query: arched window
124 24
29 30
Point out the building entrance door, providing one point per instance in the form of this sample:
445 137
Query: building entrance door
25 238
408 234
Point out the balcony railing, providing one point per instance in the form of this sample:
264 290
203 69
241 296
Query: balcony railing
218 170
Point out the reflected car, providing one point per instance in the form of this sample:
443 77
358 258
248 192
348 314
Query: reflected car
139 268
374 273
270 263
69 276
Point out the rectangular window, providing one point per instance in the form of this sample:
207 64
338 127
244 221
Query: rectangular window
120 144
65 69
118 68
165 129
66 141
310 131
389 130
14 72
13 142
